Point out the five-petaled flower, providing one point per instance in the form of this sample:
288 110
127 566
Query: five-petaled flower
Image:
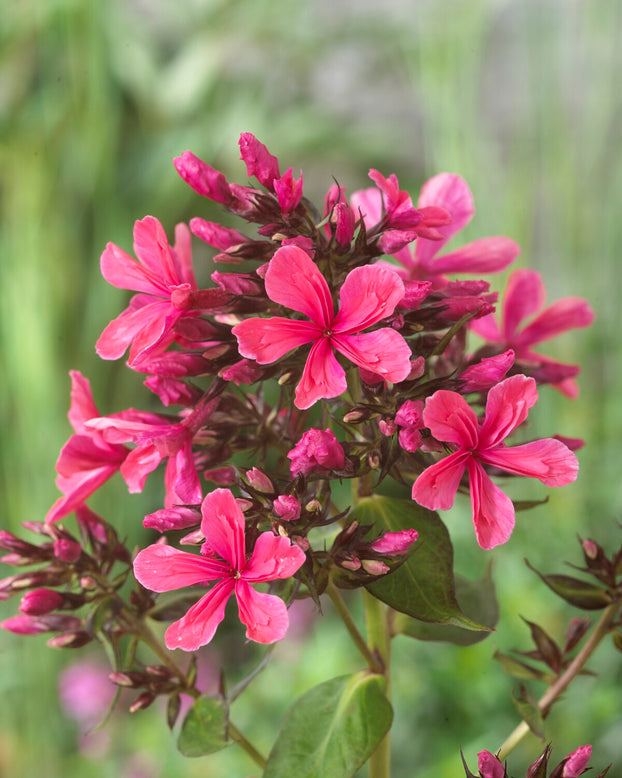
162 568
525 296
367 295
450 419
164 277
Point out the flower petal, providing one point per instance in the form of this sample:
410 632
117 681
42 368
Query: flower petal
273 557
152 249
450 418
368 294
493 512
486 255
77 488
294 280
121 270
267 340
436 487
137 466
384 352
198 626
524 295
322 377
265 615
223 527
563 315
83 406
548 460
507 407
164 568
451 192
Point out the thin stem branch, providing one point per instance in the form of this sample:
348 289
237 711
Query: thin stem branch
359 641
246 745
601 629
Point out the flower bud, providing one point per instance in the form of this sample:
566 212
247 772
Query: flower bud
259 480
70 640
576 762
40 601
67 550
314 506
394 543
301 542
388 427
489 766
143 701
317 451
350 562
222 476
375 567
287 507
172 518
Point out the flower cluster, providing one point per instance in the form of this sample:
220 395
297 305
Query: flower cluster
354 339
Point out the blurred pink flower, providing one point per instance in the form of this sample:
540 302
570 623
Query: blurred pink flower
368 295
449 418
525 296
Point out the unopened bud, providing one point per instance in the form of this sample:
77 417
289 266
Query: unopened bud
287 378
388 427
40 601
129 680
314 506
590 548
393 543
356 415
70 640
67 550
301 542
88 582
259 480
351 562
286 507
143 701
373 460
375 567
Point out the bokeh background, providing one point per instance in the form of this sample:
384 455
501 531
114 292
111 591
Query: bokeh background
521 97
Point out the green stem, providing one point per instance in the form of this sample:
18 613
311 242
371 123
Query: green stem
372 660
379 642
562 682
246 745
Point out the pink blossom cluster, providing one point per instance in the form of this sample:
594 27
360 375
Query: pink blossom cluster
337 345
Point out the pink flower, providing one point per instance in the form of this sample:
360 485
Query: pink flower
576 762
258 160
163 569
486 373
157 439
317 451
450 419
410 419
87 460
489 766
395 543
525 296
486 255
164 278
287 507
368 295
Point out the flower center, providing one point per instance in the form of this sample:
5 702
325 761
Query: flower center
327 333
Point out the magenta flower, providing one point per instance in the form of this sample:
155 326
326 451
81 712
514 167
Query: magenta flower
489 766
163 569
576 763
449 418
317 451
87 460
486 255
368 295
164 278
525 296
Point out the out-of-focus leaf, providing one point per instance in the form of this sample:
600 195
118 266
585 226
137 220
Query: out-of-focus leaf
547 647
204 730
578 593
519 669
332 729
527 709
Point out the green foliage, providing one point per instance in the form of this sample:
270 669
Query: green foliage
332 729
422 587
204 730
476 599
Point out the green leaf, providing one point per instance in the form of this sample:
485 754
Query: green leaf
576 592
423 587
519 669
476 599
527 709
204 730
332 729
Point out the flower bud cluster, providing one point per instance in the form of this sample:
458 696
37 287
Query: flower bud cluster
571 766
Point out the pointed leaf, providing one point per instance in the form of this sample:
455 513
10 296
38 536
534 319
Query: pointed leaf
204 730
519 669
477 600
469 774
547 647
172 709
579 593
423 587
527 709
332 729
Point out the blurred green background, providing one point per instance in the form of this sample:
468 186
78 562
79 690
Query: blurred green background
521 97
